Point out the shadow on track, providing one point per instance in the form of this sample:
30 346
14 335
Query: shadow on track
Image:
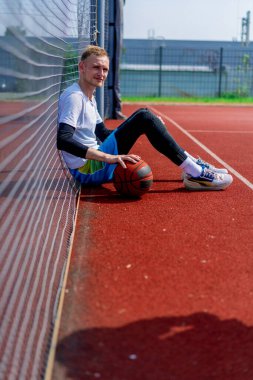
104 194
195 347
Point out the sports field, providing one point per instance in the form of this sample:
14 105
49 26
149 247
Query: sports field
162 288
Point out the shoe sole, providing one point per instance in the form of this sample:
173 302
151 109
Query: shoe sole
192 185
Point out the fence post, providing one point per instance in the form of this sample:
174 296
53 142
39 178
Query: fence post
101 43
220 72
160 71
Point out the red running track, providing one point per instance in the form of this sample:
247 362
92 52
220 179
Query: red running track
162 288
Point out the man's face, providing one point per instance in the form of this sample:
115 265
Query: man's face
94 70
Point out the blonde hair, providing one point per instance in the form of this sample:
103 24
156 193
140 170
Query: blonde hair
92 49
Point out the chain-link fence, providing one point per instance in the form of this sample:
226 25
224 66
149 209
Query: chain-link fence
162 71
40 42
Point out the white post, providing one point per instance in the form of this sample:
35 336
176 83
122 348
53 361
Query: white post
101 43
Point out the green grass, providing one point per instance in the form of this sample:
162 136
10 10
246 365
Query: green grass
222 100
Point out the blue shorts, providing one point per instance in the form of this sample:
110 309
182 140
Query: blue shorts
96 172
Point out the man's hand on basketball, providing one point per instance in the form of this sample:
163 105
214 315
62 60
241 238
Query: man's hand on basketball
128 157
95 154
119 159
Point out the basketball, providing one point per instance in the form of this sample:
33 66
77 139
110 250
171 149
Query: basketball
135 180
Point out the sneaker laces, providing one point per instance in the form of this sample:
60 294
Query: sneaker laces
211 175
208 174
203 163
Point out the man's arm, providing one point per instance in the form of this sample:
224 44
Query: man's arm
94 154
66 142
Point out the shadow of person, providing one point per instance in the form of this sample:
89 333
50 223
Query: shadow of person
195 347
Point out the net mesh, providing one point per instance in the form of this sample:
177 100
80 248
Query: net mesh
40 42
186 69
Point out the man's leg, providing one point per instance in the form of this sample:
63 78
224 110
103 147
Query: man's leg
198 175
96 172
144 122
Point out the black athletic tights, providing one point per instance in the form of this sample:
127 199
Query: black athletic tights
145 122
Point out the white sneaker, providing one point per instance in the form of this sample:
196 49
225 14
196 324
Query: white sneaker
208 180
205 164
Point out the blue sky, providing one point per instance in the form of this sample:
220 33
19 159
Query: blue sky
186 19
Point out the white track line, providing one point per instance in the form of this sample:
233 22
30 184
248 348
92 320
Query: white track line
211 131
217 158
